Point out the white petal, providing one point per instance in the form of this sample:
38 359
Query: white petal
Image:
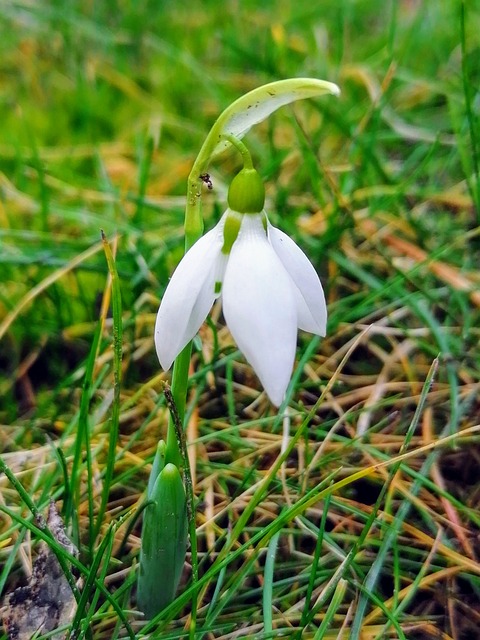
310 299
259 307
189 295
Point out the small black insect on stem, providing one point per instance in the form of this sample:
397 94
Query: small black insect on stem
205 177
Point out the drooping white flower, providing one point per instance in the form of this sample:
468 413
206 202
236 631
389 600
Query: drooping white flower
269 290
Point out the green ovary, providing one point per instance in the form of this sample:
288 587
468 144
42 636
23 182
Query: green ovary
247 192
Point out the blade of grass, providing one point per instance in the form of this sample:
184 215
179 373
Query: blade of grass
8 564
82 439
90 591
117 374
268 583
472 121
144 172
337 598
307 607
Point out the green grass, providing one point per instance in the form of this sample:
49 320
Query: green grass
354 528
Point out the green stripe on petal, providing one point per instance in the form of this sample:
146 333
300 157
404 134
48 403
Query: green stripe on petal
230 230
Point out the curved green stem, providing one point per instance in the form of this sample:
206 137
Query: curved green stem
246 157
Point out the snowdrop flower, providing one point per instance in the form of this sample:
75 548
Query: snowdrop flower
269 289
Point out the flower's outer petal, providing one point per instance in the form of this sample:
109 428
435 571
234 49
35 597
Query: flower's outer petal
310 299
259 307
189 295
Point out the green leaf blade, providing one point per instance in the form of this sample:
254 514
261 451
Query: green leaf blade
164 543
